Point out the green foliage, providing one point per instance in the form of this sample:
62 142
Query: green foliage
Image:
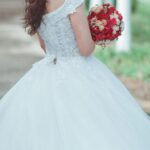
134 5
87 3
134 63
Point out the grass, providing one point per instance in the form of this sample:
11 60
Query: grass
135 63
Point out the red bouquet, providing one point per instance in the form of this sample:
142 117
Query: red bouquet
106 24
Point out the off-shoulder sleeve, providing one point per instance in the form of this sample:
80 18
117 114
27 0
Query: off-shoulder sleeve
67 8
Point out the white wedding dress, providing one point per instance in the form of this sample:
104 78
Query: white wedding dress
73 103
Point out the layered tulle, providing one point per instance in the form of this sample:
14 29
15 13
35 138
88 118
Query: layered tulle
75 104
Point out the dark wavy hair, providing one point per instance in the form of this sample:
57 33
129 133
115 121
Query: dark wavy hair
34 10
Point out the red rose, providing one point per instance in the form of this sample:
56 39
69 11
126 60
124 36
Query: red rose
113 22
111 10
107 33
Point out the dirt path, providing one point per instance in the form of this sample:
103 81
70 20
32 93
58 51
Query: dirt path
17 53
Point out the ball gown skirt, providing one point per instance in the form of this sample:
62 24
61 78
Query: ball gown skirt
75 104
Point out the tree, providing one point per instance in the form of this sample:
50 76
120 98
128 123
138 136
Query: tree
87 4
124 42
134 5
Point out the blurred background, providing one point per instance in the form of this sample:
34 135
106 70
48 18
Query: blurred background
128 58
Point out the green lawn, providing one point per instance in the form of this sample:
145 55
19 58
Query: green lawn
136 63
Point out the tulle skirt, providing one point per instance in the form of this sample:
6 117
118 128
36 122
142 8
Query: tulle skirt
75 104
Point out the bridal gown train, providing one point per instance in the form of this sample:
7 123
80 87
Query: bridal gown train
74 103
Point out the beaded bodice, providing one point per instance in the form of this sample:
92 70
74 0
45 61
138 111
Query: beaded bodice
57 32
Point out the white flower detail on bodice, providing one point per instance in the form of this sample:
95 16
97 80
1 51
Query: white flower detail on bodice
57 32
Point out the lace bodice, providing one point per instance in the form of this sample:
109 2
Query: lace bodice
57 32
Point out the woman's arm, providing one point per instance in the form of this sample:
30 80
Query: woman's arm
41 41
81 28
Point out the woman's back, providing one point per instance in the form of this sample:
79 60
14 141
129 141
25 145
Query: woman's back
65 29
57 32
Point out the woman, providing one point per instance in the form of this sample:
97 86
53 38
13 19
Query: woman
69 100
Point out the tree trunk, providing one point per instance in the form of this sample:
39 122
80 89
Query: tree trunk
124 42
